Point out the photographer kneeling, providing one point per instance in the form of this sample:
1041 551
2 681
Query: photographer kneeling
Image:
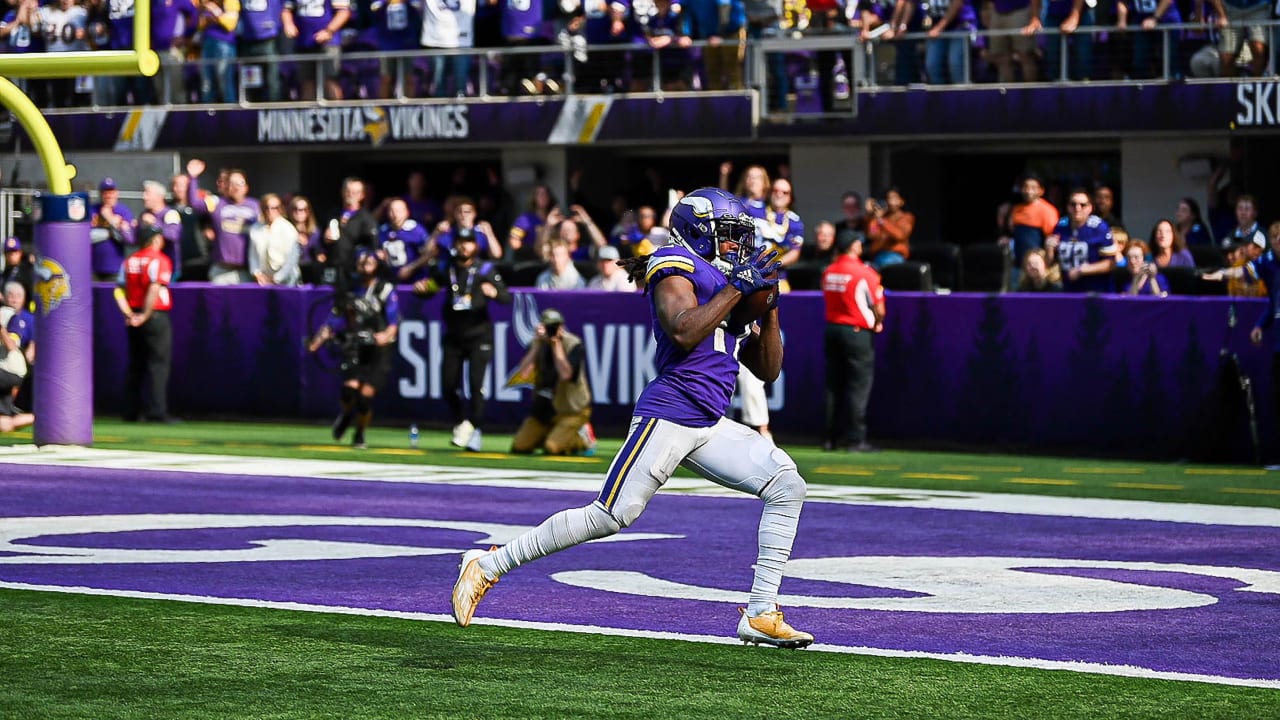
560 420
363 324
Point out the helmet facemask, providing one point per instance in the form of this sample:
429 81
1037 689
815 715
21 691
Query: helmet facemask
734 241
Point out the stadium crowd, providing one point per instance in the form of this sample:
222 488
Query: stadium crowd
1071 241
294 49
216 230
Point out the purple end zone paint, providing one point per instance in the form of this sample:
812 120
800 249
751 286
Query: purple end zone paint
1231 633
64 375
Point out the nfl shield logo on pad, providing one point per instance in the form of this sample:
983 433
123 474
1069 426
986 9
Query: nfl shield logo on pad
76 209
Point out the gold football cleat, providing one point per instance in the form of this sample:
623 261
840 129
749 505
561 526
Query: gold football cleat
769 628
470 586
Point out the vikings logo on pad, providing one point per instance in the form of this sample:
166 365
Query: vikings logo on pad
53 285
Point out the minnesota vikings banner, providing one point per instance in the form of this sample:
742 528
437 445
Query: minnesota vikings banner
577 120
64 373
1087 374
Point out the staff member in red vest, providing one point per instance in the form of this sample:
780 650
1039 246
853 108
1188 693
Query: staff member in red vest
143 299
855 309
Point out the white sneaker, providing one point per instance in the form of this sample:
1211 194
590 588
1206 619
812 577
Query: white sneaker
462 432
474 443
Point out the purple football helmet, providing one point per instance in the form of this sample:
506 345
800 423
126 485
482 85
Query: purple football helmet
707 217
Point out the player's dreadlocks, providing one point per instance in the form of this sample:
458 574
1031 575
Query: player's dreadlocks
635 267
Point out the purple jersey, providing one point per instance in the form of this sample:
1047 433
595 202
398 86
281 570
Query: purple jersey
170 223
525 228
312 16
170 20
231 224
1083 245
396 24
23 326
599 24
403 245
213 26
260 19
693 388
522 19
785 230
1140 10
120 23
21 39
1267 269
109 244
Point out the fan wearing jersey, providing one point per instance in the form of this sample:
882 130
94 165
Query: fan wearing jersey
449 25
1082 246
693 284
314 25
401 242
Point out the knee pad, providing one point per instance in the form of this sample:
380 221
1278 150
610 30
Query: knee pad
786 486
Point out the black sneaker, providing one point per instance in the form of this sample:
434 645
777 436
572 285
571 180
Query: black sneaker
340 425
863 447
357 441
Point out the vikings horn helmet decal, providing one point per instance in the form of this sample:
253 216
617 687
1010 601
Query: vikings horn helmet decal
708 217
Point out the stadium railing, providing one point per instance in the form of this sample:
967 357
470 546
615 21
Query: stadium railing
1092 53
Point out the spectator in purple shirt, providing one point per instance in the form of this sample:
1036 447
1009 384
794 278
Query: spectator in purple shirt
1168 248
524 231
20 33
173 22
111 232
396 24
314 25
1146 42
232 215
261 29
155 211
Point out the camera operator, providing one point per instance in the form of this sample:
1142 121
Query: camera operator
363 324
469 285
561 413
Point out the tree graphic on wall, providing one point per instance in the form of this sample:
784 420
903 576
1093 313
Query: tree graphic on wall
192 394
1084 409
276 357
1121 414
891 371
925 399
1151 407
989 374
1028 408
228 360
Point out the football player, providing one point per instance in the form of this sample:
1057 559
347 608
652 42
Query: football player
694 283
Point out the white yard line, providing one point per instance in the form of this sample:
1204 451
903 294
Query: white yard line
1098 508
1008 661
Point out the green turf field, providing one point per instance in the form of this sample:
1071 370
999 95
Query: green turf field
68 655
91 657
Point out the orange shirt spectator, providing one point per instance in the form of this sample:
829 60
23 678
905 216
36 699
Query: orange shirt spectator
889 230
